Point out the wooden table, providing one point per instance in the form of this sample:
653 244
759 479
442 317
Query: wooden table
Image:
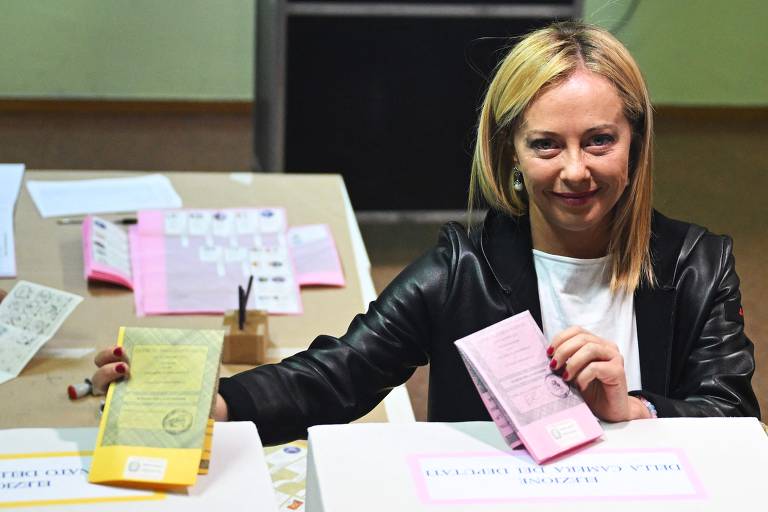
51 254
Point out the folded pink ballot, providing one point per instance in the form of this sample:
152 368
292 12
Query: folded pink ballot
527 401
106 255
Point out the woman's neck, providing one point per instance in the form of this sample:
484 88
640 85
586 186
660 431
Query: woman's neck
585 244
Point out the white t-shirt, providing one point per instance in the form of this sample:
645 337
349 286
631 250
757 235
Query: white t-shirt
576 291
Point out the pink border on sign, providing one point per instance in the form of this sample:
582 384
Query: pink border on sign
423 494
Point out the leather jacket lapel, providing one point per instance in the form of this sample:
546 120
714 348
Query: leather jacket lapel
506 245
654 306
653 314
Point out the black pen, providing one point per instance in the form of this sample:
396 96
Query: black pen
126 221
248 290
241 308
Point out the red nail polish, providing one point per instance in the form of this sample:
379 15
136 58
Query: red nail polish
71 392
118 351
553 364
120 368
565 375
550 351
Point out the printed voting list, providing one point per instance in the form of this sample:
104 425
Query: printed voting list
528 402
153 430
29 316
192 261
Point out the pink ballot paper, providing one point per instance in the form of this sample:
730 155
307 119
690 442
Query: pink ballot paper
314 256
106 254
528 402
192 260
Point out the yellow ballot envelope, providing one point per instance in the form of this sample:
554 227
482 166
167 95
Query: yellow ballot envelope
154 427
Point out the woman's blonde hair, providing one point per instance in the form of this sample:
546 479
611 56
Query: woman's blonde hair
540 60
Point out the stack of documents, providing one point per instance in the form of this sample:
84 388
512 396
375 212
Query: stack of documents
508 364
154 427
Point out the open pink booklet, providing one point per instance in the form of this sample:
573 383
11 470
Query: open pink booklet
191 261
106 255
528 402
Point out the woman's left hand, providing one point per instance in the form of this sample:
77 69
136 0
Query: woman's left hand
596 367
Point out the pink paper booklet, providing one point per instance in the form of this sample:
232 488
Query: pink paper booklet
192 260
106 254
528 402
315 257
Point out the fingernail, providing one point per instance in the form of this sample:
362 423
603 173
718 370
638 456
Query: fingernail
118 351
565 375
553 364
120 368
550 351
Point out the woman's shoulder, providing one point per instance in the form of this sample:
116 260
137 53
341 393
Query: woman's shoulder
677 245
456 237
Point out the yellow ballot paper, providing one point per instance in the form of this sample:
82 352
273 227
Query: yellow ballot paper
154 426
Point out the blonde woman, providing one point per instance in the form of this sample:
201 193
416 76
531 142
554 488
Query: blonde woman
643 312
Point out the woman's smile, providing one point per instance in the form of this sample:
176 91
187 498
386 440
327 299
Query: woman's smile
576 198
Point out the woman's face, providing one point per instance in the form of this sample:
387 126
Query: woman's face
573 150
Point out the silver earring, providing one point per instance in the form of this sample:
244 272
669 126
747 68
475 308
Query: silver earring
517 179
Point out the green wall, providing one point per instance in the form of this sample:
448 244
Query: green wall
127 49
695 52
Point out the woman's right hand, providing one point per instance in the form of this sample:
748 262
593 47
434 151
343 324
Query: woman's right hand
112 365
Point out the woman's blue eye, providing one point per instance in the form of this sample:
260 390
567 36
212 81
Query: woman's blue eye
601 140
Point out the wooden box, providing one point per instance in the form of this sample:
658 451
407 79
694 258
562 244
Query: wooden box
249 345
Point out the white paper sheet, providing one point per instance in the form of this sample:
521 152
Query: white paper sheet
10 183
110 195
7 244
29 316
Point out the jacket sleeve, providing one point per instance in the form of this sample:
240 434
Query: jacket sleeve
337 380
714 376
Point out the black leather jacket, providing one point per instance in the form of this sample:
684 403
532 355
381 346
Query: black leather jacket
695 359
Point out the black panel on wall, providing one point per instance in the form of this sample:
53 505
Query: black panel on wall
391 103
